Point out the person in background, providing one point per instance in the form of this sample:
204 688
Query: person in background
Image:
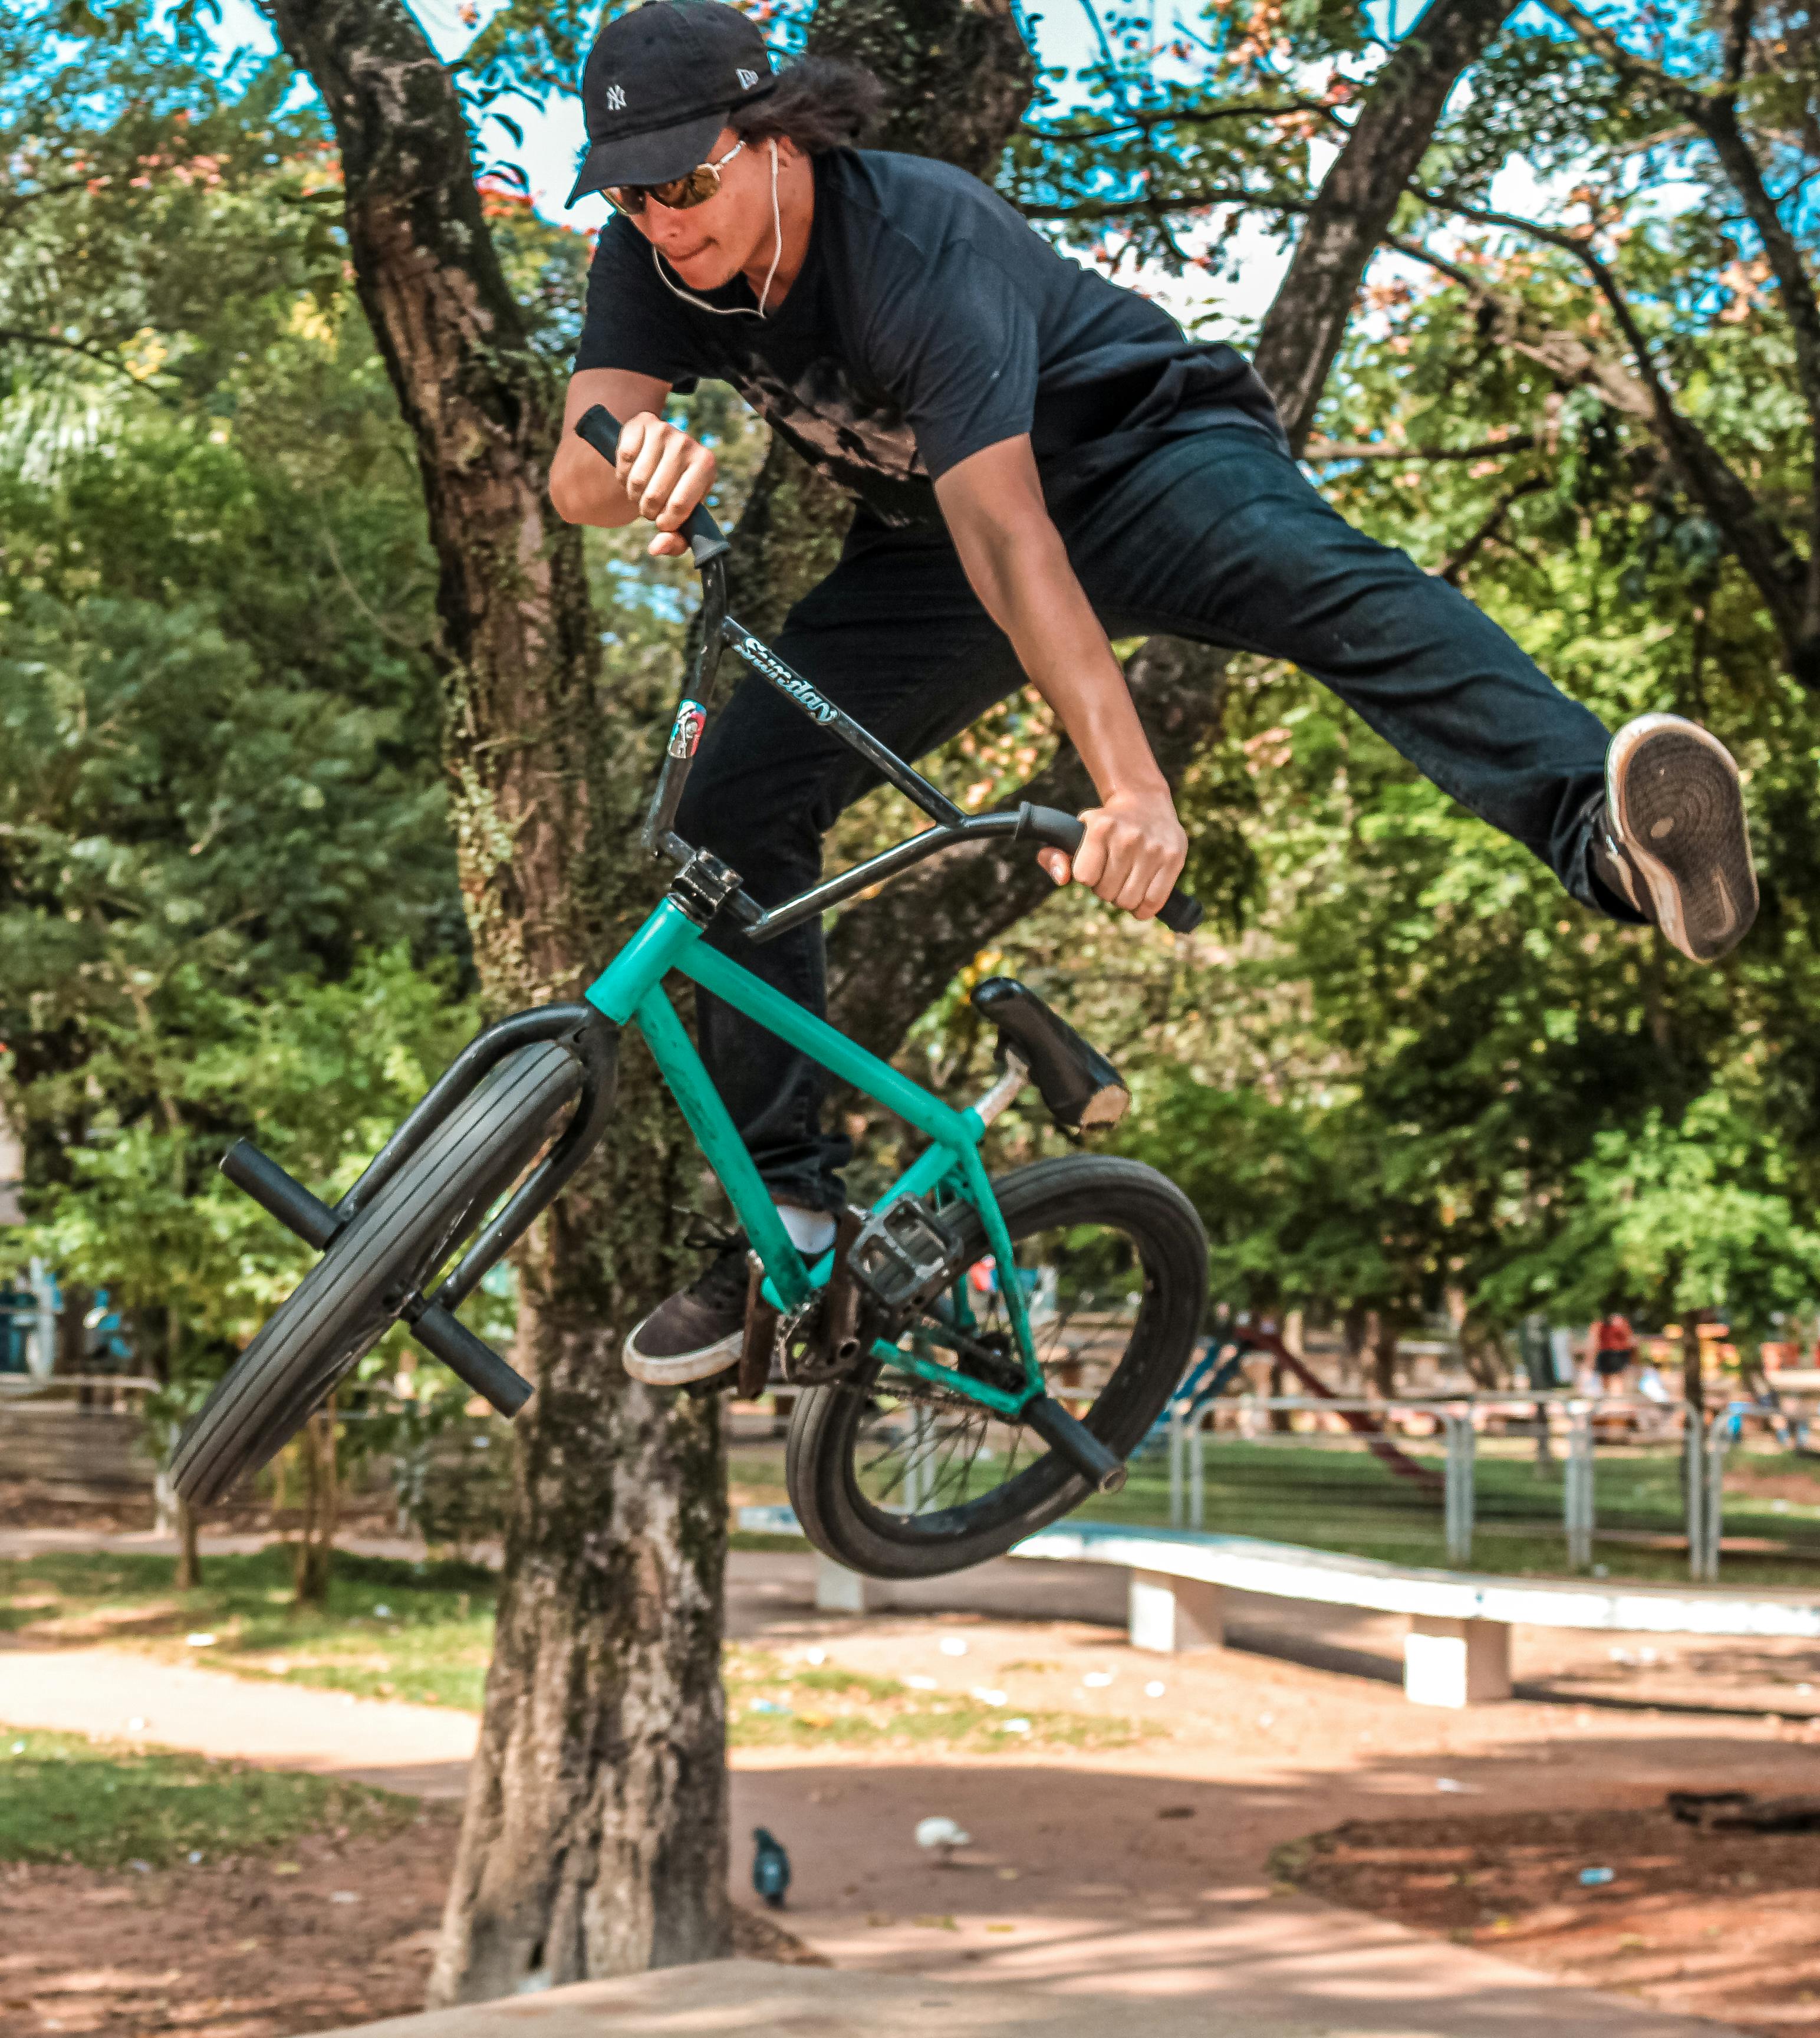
1614 1349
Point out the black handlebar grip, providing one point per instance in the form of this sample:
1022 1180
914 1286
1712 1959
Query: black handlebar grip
599 427
1179 913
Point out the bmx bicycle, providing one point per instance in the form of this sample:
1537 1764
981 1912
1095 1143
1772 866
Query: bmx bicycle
973 1357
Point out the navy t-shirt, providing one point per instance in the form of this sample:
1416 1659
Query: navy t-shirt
929 321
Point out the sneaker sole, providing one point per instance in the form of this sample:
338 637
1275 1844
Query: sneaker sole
1675 800
681 1369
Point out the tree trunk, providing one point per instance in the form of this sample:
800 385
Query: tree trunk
189 1572
595 1836
316 1449
1384 1338
1303 329
1694 1371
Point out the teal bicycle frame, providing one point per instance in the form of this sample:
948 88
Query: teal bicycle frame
630 992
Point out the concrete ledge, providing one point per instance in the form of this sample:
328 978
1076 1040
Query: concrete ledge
1456 1662
1250 1564
1172 1616
1457 1649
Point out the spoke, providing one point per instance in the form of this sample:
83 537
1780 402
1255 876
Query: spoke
930 1445
972 1458
953 1435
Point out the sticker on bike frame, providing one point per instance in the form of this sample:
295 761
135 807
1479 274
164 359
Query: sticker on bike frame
691 719
799 689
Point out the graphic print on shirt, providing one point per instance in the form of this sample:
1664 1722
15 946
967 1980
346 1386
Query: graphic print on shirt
835 425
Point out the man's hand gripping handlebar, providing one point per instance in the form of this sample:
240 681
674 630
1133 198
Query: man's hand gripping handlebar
708 544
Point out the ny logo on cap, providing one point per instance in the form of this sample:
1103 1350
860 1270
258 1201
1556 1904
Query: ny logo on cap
616 99
747 79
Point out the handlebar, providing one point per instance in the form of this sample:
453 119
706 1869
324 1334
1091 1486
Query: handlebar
599 427
1181 913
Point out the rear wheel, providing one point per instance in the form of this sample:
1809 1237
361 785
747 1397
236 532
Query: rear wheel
393 1248
900 1477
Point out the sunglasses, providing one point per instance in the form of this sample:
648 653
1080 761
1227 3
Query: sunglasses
678 194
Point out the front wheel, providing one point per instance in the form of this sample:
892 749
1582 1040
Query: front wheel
357 1291
900 1477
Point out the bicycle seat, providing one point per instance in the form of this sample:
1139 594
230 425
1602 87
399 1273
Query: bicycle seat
1079 1085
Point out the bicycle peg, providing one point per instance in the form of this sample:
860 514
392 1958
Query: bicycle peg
599 427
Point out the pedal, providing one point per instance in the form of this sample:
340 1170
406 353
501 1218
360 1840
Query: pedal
903 1255
1082 1088
760 1339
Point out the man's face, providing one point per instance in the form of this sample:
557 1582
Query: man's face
709 245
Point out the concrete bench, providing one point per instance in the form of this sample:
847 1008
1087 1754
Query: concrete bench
1457 1652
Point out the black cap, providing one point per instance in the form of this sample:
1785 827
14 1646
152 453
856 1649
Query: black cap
658 86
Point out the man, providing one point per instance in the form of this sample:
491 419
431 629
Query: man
1041 461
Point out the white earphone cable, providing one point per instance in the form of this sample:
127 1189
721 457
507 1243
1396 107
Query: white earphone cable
738 311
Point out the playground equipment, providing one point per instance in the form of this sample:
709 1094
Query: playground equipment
1221 1364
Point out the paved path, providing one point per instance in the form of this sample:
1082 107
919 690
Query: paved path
1302 1982
114 1694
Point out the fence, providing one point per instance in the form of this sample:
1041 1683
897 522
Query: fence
1517 1482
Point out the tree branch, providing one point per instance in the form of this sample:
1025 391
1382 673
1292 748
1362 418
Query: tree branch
1170 204
1715 113
1179 117
1317 452
1800 303
1780 575
1390 134
1457 562
1738 28
85 349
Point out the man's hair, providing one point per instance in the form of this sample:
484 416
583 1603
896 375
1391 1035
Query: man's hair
819 103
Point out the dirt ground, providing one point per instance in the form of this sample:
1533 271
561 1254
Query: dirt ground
322 1936
325 1935
1161 1864
1721 1925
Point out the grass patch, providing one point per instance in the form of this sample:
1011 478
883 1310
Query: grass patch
63 1799
392 1629
769 1704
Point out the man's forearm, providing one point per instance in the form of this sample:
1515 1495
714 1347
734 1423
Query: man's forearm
585 490
1023 576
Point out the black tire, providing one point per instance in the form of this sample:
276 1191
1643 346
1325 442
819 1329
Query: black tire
354 1295
835 1426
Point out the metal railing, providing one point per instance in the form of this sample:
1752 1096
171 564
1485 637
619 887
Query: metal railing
1565 1428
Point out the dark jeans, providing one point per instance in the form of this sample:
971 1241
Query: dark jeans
1213 534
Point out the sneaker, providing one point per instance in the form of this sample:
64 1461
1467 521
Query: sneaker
698 1332
1675 843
